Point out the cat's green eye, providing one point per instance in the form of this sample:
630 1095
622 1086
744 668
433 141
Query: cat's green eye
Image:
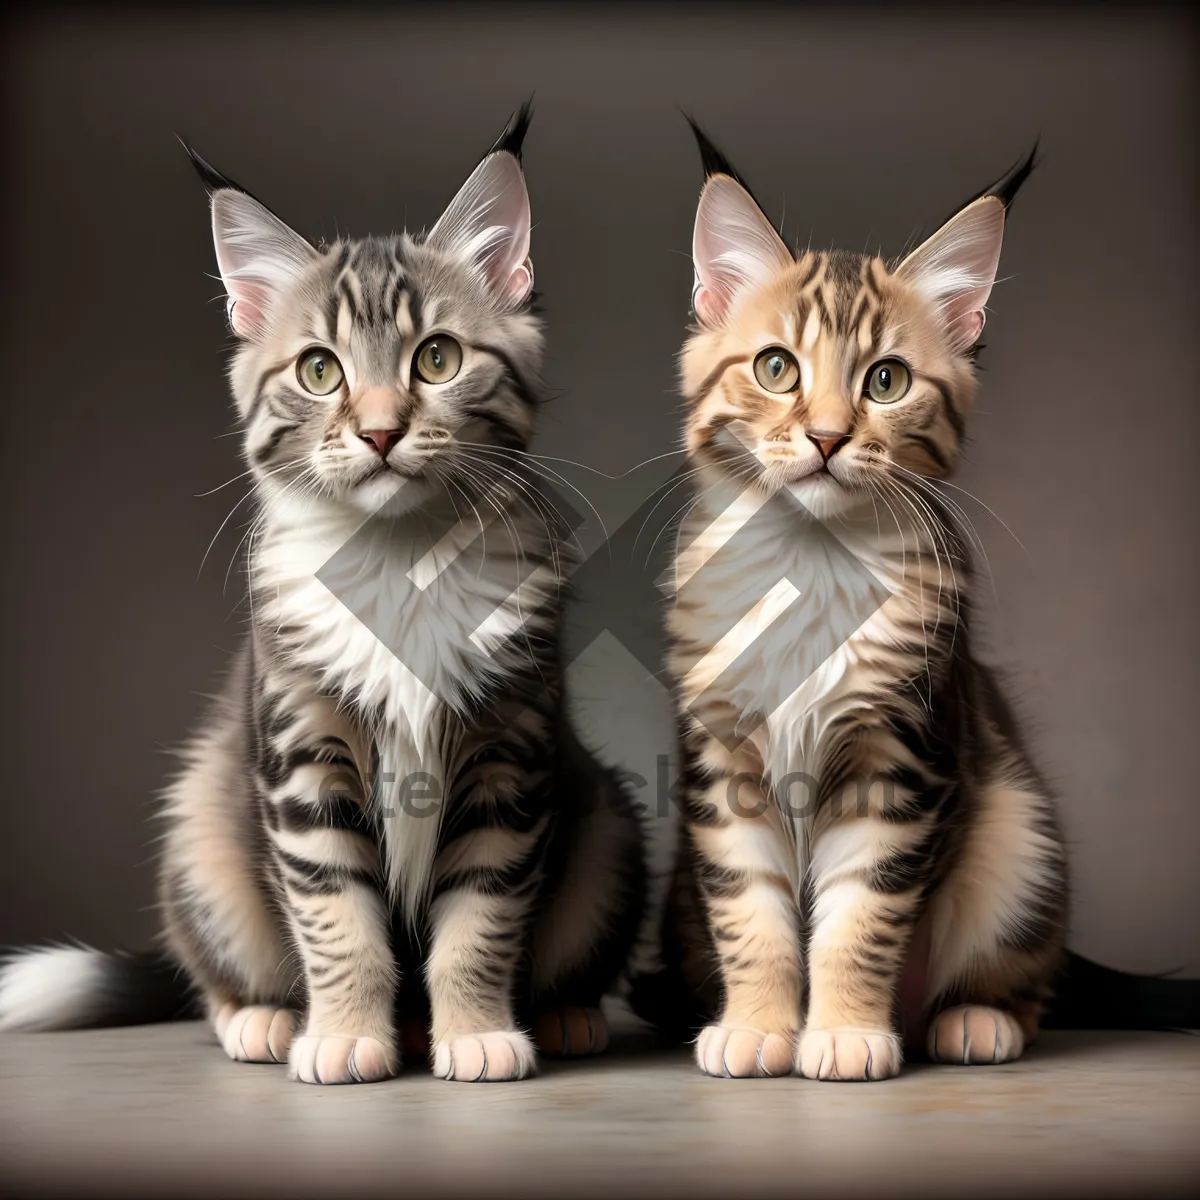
438 360
887 381
777 370
319 372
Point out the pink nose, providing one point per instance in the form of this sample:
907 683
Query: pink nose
828 443
382 439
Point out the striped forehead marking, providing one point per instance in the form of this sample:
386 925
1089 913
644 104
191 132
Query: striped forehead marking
345 320
404 317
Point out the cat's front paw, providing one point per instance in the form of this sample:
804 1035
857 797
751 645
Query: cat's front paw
331 1059
739 1052
973 1033
485 1057
258 1033
849 1054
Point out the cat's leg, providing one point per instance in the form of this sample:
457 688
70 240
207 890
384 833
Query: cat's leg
486 879
219 916
312 776
866 877
479 926
998 924
744 871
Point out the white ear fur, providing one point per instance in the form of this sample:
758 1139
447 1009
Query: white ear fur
488 223
734 246
258 256
956 267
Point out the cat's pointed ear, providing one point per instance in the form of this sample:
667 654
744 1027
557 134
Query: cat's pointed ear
956 267
257 254
734 246
488 223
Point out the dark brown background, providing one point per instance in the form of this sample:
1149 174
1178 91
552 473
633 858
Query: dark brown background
870 123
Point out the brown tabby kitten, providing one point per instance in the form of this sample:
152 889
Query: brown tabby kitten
857 796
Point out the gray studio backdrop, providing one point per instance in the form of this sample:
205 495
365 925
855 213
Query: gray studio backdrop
858 127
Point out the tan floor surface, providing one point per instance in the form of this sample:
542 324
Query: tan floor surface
160 1110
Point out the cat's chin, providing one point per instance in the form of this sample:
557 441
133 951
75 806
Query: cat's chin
822 495
388 494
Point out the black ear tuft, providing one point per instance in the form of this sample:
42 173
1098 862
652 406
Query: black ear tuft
713 161
514 133
214 181
1007 187
212 178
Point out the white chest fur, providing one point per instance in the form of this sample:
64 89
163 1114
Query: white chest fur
400 621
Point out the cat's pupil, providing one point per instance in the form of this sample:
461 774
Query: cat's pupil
319 368
775 366
435 357
885 379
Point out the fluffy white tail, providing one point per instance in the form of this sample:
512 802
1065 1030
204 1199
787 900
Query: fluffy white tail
74 987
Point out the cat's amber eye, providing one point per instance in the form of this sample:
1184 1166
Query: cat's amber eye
887 381
438 360
319 372
777 370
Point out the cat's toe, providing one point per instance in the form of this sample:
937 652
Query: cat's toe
258 1033
485 1057
329 1060
571 1031
738 1052
849 1054
975 1034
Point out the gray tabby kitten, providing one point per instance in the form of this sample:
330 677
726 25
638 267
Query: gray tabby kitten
385 821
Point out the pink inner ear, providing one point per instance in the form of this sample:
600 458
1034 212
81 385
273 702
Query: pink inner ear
246 310
519 284
965 330
707 304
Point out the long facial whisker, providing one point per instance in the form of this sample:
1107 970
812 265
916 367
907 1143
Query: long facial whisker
543 508
479 519
516 543
742 472
936 522
926 486
221 486
674 521
884 494
990 511
546 509
542 505
959 515
666 490
221 527
553 477
263 474
913 512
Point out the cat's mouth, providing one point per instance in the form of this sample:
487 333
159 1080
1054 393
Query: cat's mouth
818 474
381 470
